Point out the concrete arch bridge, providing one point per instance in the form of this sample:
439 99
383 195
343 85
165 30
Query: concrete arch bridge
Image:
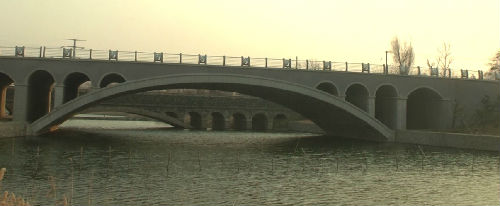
358 105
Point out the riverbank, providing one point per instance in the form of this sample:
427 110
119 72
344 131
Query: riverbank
455 140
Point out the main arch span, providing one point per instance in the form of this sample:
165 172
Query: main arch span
329 112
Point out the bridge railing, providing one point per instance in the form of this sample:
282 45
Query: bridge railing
234 61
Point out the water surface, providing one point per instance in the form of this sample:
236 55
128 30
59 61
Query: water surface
133 162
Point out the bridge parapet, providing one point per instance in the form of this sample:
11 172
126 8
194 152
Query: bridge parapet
234 61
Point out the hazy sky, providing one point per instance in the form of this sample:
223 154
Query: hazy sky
338 30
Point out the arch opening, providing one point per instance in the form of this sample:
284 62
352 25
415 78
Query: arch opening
386 105
259 122
40 95
74 85
195 120
218 121
239 121
357 95
6 86
328 88
111 80
424 109
280 122
149 114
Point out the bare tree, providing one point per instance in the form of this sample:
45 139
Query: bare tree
444 59
404 56
495 62
494 72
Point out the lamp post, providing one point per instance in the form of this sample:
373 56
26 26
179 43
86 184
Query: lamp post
74 45
386 65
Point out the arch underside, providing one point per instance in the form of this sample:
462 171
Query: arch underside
330 113
141 112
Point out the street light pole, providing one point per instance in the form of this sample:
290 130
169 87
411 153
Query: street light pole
74 46
386 65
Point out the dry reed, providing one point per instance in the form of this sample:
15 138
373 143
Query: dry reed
9 199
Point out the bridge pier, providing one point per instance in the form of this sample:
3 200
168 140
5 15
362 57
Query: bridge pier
446 116
20 103
401 113
248 122
59 95
371 106
269 124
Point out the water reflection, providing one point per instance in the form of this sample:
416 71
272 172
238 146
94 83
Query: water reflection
130 163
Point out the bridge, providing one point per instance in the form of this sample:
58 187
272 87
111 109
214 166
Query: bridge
361 104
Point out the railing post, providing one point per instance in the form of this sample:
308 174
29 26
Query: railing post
135 56
90 54
346 67
44 51
241 60
40 56
266 63
296 60
418 69
449 73
307 64
224 60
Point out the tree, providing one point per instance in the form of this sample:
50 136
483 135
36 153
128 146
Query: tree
444 59
494 72
495 62
403 55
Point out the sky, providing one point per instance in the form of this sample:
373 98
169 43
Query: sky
337 30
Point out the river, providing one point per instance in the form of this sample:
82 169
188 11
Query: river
103 162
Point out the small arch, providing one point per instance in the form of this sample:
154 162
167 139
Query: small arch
428 88
328 87
172 114
110 79
239 121
259 122
386 105
5 84
72 85
39 102
357 94
218 121
280 122
195 120
423 109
